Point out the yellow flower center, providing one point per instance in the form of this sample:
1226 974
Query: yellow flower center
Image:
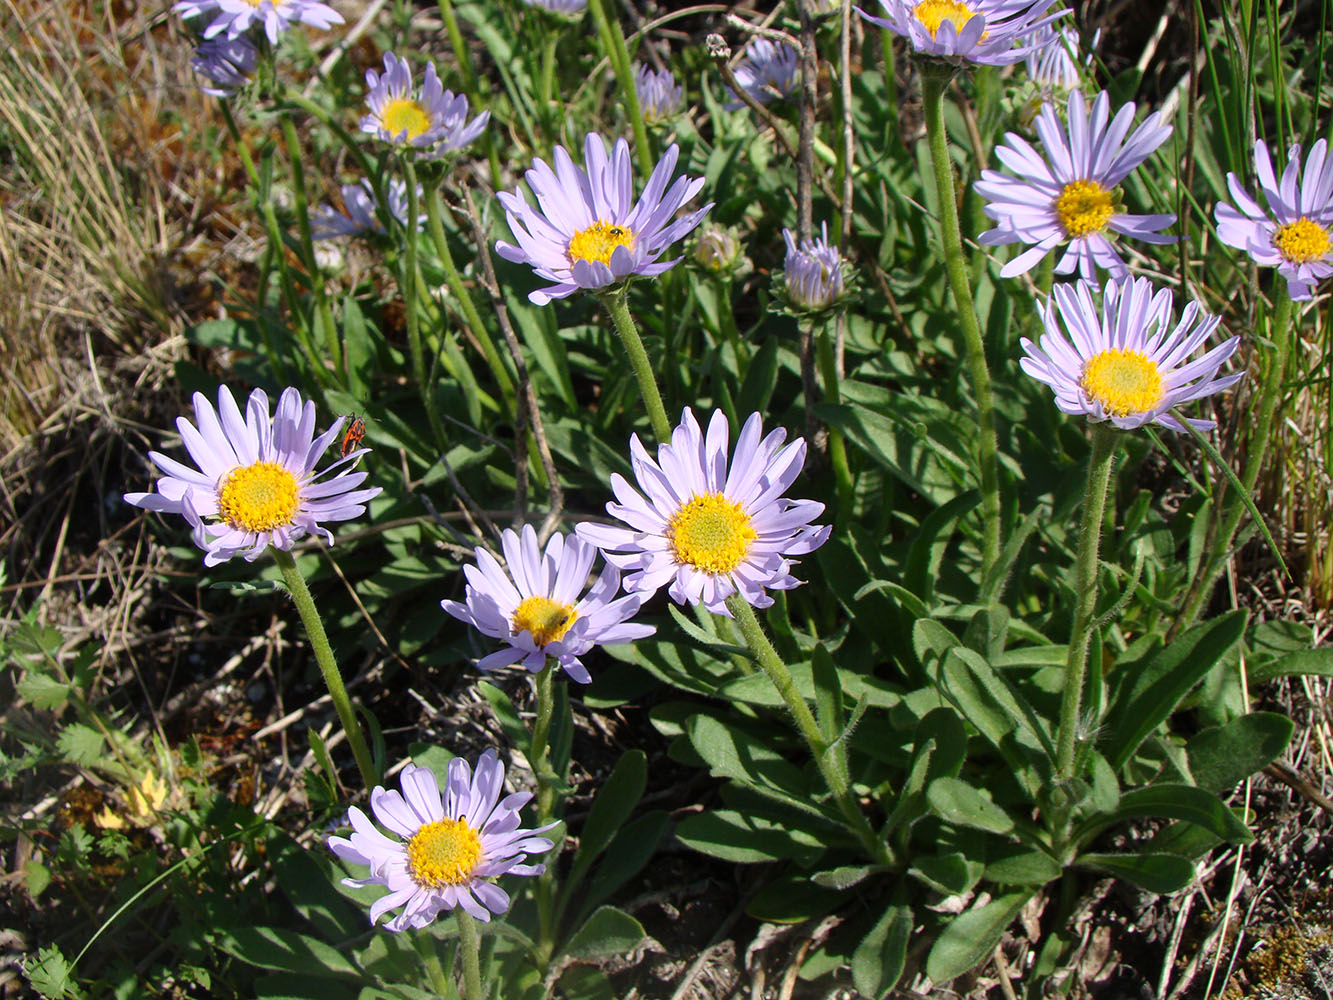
1124 382
259 497
1084 207
544 619
599 241
933 13
256 3
1302 241
443 853
404 114
711 533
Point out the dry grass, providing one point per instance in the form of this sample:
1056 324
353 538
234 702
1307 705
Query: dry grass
87 224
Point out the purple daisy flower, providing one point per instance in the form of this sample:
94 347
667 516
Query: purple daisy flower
1294 235
1052 62
565 8
451 847
539 612
433 119
659 97
362 215
707 532
236 17
256 484
227 62
993 32
813 271
1072 195
770 70
586 232
1125 362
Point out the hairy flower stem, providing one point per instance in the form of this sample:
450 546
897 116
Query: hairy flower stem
1100 463
935 79
638 360
319 644
469 947
464 300
1270 394
609 28
831 759
539 757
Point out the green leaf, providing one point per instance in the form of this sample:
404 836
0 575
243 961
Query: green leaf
1159 685
744 839
842 878
49 975
36 877
761 376
632 848
1146 869
957 802
307 879
80 744
971 937
431 756
291 986
607 932
950 874
610 810
710 643
42 690
286 951
1223 756
1309 662
1028 868
505 714
930 542
828 694
877 962
1175 801
733 752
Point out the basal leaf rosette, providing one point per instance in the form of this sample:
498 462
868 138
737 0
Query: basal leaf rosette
256 484
707 530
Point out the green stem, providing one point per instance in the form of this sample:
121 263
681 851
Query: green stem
1104 440
837 446
547 92
469 946
619 56
319 643
434 216
439 981
539 757
638 359
935 78
331 342
1270 394
832 766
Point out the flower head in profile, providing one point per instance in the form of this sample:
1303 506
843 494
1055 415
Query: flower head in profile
1295 234
452 846
362 213
770 70
532 603
256 483
1125 362
659 97
586 231
432 119
992 32
708 532
235 17
1052 62
227 63
570 9
1071 196
718 250
812 275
